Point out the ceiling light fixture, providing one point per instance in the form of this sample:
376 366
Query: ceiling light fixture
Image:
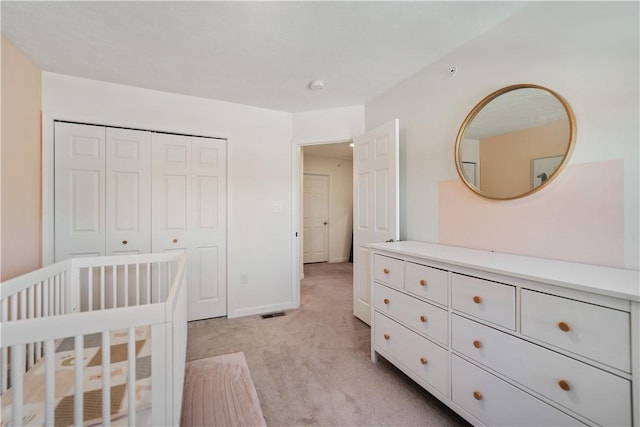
316 85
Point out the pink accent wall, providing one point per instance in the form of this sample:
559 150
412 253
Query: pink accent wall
579 217
21 174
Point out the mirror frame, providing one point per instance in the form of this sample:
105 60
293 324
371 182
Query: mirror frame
484 102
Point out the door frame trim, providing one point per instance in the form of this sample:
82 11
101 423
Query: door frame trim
297 174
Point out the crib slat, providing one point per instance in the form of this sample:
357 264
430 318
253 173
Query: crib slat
23 305
38 315
131 383
14 307
17 385
78 395
90 289
30 315
137 284
114 285
148 283
56 295
46 297
106 378
102 288
49 383
63 288
4 355
126 285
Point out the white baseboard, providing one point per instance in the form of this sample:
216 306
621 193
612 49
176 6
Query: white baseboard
331 261
261 309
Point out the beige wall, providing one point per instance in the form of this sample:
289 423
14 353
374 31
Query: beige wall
506 159
21 163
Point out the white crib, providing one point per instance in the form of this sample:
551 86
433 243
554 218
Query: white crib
52 318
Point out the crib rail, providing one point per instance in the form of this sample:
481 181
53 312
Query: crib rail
79 297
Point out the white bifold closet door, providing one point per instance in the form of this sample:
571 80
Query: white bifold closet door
102 191
189 212
121 191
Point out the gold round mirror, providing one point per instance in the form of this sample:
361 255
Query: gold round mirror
515 141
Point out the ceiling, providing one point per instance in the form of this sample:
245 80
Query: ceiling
255 53
340 150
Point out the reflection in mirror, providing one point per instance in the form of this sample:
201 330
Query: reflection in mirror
515 141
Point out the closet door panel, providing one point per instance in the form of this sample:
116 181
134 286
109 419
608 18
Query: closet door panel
79 190
208 231
171 201
128 190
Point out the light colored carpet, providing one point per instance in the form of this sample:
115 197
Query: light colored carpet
218 391
313 366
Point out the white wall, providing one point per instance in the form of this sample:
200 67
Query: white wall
340 202
259 172
586 51
337 124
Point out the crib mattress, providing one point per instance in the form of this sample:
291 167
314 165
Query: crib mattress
65 360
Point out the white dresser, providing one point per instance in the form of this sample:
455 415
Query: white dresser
510 340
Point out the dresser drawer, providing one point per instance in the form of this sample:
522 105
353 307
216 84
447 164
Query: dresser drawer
490 301
427 282
498 403
422 357
389 271
421 316
595 332
597 395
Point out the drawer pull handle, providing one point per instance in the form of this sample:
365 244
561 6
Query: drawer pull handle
423 319
477 344
423 282
386 300
175 240
386 271
387 336
124 242
477 395
477 299
564 385
423 360
564 327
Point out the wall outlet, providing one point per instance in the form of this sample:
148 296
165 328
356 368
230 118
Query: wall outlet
244 278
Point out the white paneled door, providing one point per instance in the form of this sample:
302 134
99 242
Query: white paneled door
121 191
316 218
128 190
189 212
375 216
79 187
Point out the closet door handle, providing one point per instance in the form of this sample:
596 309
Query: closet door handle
564 385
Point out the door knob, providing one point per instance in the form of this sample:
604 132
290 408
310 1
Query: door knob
325 223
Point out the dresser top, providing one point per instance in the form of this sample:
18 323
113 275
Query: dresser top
614 282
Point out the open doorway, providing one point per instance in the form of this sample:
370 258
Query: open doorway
326 203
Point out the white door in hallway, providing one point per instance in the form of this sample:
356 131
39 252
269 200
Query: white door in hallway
375 205
189 213
316 218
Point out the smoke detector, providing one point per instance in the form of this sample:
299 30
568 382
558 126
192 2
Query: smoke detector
316 85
